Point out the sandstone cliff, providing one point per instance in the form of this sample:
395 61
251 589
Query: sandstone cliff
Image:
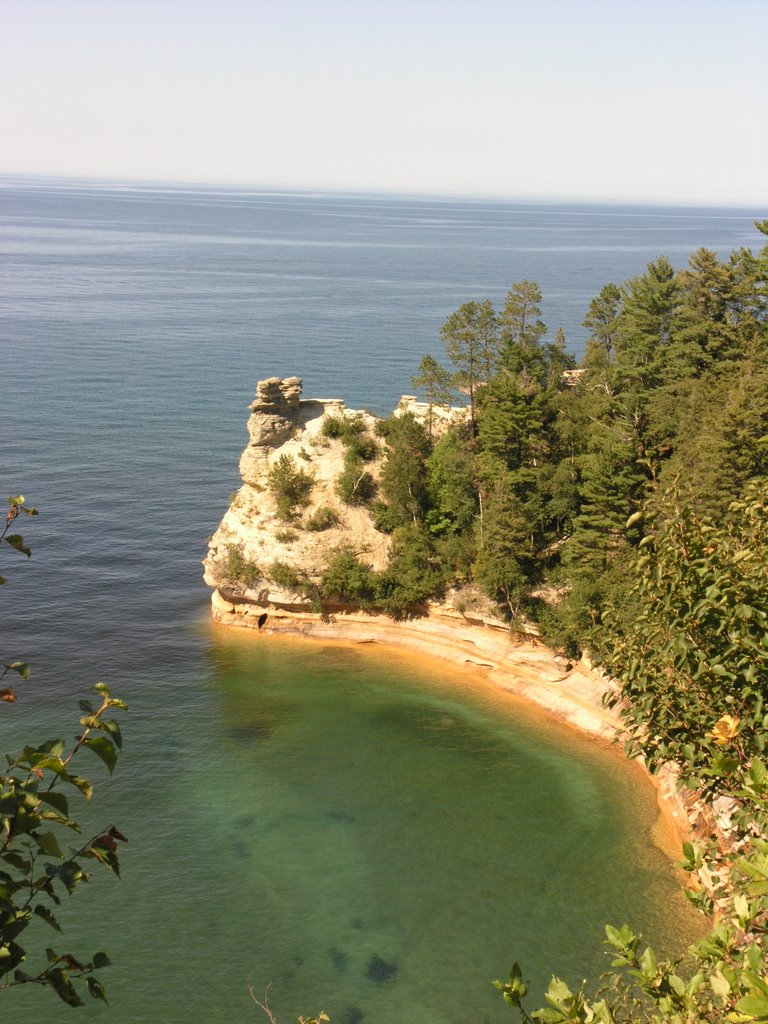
252 552
282 424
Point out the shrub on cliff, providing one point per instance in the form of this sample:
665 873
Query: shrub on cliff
355 485
349 579
290 487
342 427
323 518
413 574
286 576
239 570
353 435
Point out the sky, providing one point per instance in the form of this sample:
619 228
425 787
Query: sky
646 100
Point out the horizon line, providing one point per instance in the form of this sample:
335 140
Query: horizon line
266 188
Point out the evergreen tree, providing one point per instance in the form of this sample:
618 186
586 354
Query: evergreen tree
645 327
512 417
602 321
470 338
704 334
612 489
404 474
505 555
451 475
436 381
522 331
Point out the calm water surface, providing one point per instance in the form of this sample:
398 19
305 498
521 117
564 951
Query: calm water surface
293 811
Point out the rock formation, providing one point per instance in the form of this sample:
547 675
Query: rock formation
252 533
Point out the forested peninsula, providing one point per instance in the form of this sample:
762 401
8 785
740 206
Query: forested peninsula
616 507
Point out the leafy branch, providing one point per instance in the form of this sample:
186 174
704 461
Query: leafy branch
33 867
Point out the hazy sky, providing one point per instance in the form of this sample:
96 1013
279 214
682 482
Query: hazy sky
639 99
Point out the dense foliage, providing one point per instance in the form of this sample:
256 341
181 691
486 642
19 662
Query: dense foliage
35 818
692 664
545 492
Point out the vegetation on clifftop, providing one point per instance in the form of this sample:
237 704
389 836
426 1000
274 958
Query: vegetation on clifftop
563 472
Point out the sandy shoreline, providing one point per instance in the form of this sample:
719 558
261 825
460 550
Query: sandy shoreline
488 654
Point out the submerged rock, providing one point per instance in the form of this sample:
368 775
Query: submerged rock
339 958
380 970
352 1015
250 732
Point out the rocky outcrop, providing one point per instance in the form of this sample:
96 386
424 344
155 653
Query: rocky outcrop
253 535
273 420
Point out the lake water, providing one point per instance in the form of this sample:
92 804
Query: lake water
294 811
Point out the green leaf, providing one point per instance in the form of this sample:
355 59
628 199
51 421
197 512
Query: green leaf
59 981
113 728
755 1004
103 748
19 666
648 962
82 784
57 800
47 916
720 985
100 960
96 989
49 844
17 541
677 985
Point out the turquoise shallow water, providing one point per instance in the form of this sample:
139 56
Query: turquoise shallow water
314 810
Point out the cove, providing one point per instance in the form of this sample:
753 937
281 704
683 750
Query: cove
373 835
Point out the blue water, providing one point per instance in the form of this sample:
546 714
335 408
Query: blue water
135 323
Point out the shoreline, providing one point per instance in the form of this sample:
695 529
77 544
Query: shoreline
571 693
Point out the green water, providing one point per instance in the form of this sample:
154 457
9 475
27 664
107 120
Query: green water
308 812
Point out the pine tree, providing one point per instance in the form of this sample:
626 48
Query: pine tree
704 335
470 339
612 488
522 331
505 557
602 321
645 327
404 474
436 382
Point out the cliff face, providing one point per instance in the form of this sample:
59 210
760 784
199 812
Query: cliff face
252 533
